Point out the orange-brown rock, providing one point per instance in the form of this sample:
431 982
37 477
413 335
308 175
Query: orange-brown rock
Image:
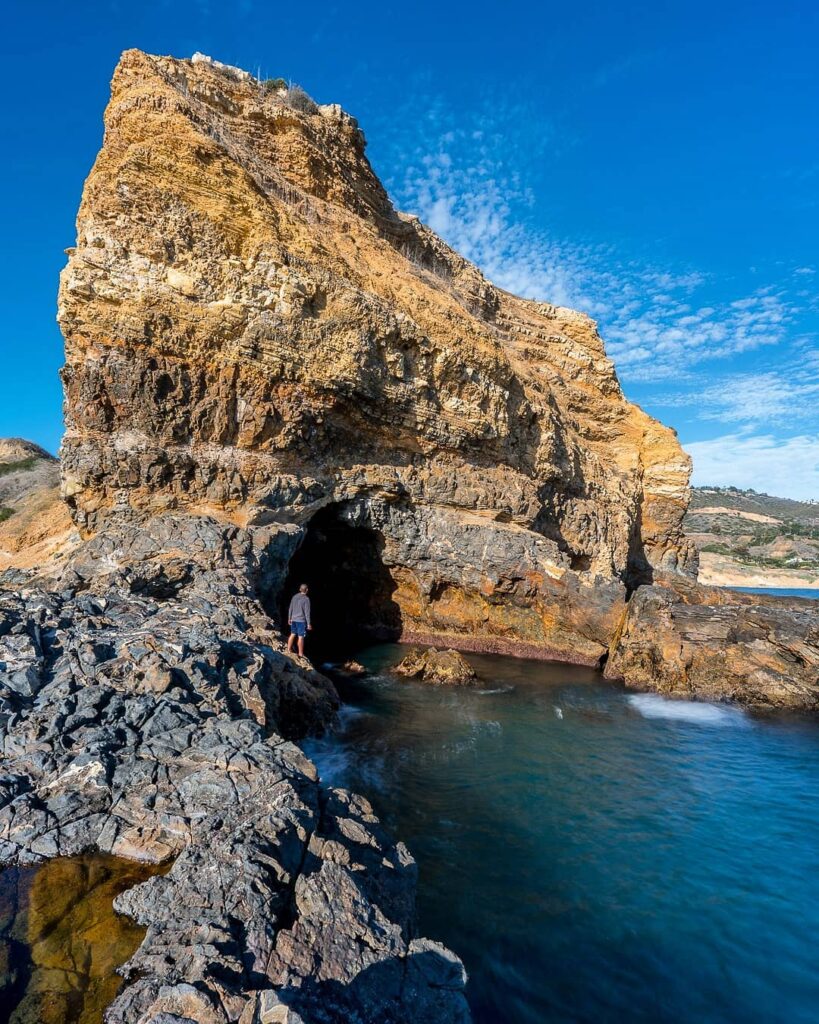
35 527
709 643
449 668
253 332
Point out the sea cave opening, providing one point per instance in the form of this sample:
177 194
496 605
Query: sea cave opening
350 588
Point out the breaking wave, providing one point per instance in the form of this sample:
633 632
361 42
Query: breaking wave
651 705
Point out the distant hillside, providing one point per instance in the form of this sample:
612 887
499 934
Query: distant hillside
34 522
754 502
24 467
761 539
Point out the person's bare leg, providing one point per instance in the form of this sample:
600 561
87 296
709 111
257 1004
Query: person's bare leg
290 640
301 646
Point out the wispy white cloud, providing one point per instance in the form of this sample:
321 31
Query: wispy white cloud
657 323
788 467
669 332
479 210
785 392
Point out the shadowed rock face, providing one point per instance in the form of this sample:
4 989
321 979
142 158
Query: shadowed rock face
252 330
259 351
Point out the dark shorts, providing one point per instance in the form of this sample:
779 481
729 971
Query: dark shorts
298 628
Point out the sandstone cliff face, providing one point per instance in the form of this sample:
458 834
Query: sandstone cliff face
253 332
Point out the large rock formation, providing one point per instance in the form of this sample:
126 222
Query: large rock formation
270 375
707 643
252 331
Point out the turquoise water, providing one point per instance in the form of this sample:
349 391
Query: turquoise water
781 591
594 855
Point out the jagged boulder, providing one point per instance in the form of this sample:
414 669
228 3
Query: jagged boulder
710 643
433 666
147 708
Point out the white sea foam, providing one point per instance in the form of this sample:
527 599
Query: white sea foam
333 765
651 705
347 712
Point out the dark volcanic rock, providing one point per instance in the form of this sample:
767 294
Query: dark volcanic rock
146 709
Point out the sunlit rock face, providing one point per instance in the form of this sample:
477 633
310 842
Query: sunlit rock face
712 643
254 332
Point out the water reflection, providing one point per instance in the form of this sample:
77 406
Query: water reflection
60 940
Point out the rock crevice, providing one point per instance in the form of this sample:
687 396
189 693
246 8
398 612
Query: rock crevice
253 331
269 370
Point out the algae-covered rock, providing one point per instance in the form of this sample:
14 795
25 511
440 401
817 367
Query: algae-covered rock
434 666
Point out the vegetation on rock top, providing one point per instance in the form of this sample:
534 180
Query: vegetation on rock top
20 466
753 529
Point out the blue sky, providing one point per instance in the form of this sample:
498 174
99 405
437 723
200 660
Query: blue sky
655 164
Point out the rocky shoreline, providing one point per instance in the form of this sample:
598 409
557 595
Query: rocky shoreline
148 711
274 376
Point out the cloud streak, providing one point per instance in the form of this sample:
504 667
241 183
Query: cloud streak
788 467
783 395
657 324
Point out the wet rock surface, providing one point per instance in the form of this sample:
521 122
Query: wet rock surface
709 643
61 941
148 711
268 349
433 666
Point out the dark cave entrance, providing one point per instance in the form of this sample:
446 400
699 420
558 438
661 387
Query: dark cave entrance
350 587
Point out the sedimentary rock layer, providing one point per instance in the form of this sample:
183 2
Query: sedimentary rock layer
253 331
708 643
270 371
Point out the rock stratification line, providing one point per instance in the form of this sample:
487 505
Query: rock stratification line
254 332
270 371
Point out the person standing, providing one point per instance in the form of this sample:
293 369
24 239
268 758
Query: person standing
298 618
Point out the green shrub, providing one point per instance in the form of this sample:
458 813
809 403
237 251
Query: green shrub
270 85
717 549
21 464
299 99
5 513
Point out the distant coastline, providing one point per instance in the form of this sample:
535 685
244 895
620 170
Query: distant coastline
748 539
721 571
